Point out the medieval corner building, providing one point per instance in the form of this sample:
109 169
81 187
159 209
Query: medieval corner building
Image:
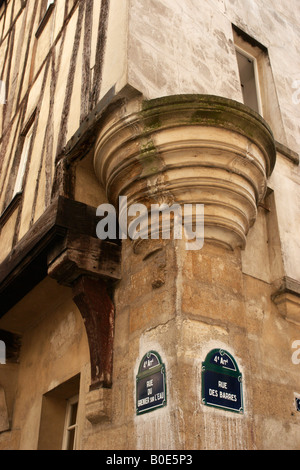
152 341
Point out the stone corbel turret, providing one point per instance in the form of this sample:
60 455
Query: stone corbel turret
189 149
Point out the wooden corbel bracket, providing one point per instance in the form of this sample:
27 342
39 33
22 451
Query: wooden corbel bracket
89 266
97 310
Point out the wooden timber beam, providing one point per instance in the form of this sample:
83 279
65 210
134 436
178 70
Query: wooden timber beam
61 236
97 310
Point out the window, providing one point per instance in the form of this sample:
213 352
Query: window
58 423
254 67
249 79
257 80
16 180
2 352
70 430
23 161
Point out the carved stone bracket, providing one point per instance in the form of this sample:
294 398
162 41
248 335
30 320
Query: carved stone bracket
287 299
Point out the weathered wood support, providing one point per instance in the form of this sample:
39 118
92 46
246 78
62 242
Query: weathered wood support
63 245
78 254
97 310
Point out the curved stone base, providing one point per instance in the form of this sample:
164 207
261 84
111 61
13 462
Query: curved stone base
189 149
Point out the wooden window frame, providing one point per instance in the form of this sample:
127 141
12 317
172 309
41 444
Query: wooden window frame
18 187
69 427
253 59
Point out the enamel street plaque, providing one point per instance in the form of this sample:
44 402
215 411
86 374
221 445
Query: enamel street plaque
150 384
222 382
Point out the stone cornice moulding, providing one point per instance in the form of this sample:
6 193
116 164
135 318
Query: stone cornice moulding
189 149
289 306
287 299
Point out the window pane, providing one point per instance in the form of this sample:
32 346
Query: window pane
73 414
22 165
248 83
71 439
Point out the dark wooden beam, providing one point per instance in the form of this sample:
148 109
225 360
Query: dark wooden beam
27 263
77 255
97 310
